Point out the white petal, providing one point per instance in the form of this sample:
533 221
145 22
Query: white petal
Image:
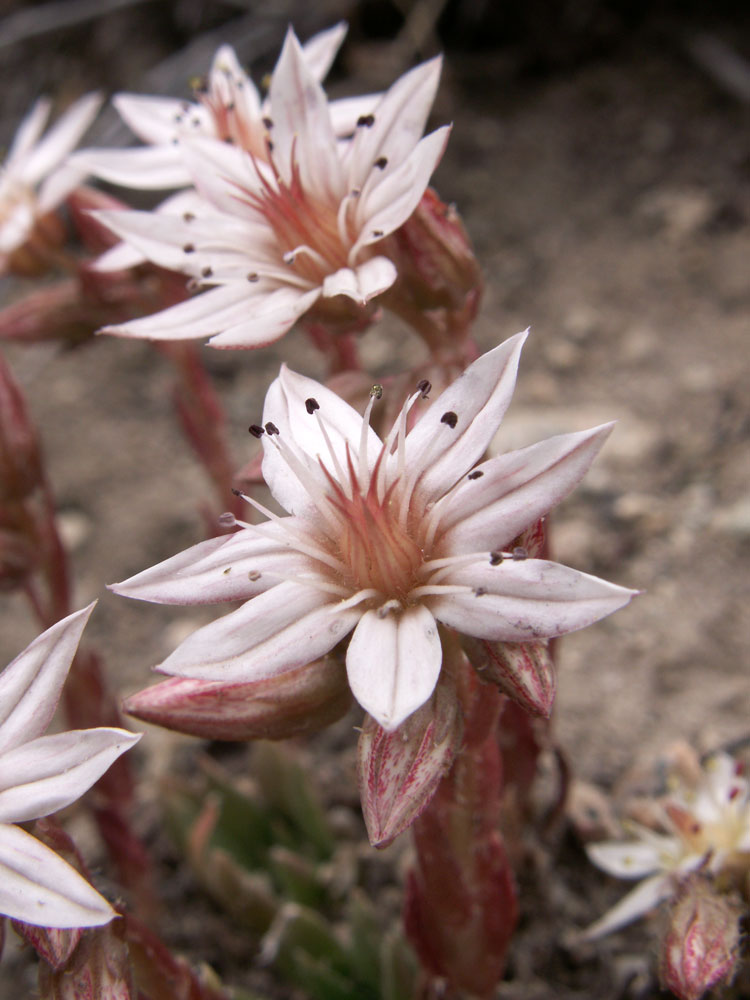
200 316
286 627
48 773
302 129
361 283
232 568
38 887
529 599
346 112
515 490
268 318
320 50
61 138
393 663
149 168
30 686
119 258
637 902
387 205
153 119
439 454
29 131
285 407
400 119
626 859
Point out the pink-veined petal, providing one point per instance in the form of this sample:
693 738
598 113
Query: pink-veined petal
61 138
30 686
393 663
200 316
285 407
48 773
361 283
529 599
283 628
269 318
514 490
440 452
38 887
636 903
231 568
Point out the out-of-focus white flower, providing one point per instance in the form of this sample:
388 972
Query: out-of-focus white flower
228 107
41 774
386 538
35 179
706 826
275 236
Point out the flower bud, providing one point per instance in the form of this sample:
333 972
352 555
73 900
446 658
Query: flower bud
99 970
20 458
700 947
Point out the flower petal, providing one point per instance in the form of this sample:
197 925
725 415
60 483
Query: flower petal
38 887
144 168
626 859
286 627
320 50
640 900
48 773
270 317
514 490
30 686
361 283
153 119
439 452
197 317
61 138
530 599
29 131
393 663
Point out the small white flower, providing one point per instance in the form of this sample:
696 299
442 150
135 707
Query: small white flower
707 827
386 538
299 227
34 179
41 774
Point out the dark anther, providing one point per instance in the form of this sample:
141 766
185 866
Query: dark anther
271 428
268 123
256 430
229 140
381 163
237 493
424 387
269 145
449 418
189 248
187 216
480 591
252 276
311 405
520 553
207 272
476 474
366 121
377 391
377 233
230 107
496 558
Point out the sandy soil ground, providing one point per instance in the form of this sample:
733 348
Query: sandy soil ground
610 208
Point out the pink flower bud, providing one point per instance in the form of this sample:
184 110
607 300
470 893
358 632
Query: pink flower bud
522 670
699 949
296 701
99 970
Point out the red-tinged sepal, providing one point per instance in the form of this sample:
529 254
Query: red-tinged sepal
297 701
20 457
522 670
700 947
99 970
399 771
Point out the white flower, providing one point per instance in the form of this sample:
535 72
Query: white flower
708 829
34 179
299 228
386 538
228 108
41 774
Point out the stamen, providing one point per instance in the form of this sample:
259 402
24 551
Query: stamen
439 590
227 519
256 430
311 405
355 599
385 609
476 474
425 387
271 429
496 558
381 163
449 418
366 121
376 392
519 553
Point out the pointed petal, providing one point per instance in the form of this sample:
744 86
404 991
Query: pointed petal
271 316
197 317
400 118
285 407
30 686
48 773
400 771
28 131
298 701
639 901
154 119
440 454
534 599
61 138
229 568
38 887
393 663
147 168
320 50
286 627
626 859
361 283
515 490
346 112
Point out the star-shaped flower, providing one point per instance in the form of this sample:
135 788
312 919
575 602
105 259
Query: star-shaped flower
706 826
35 179
275 236
385 538
41 774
